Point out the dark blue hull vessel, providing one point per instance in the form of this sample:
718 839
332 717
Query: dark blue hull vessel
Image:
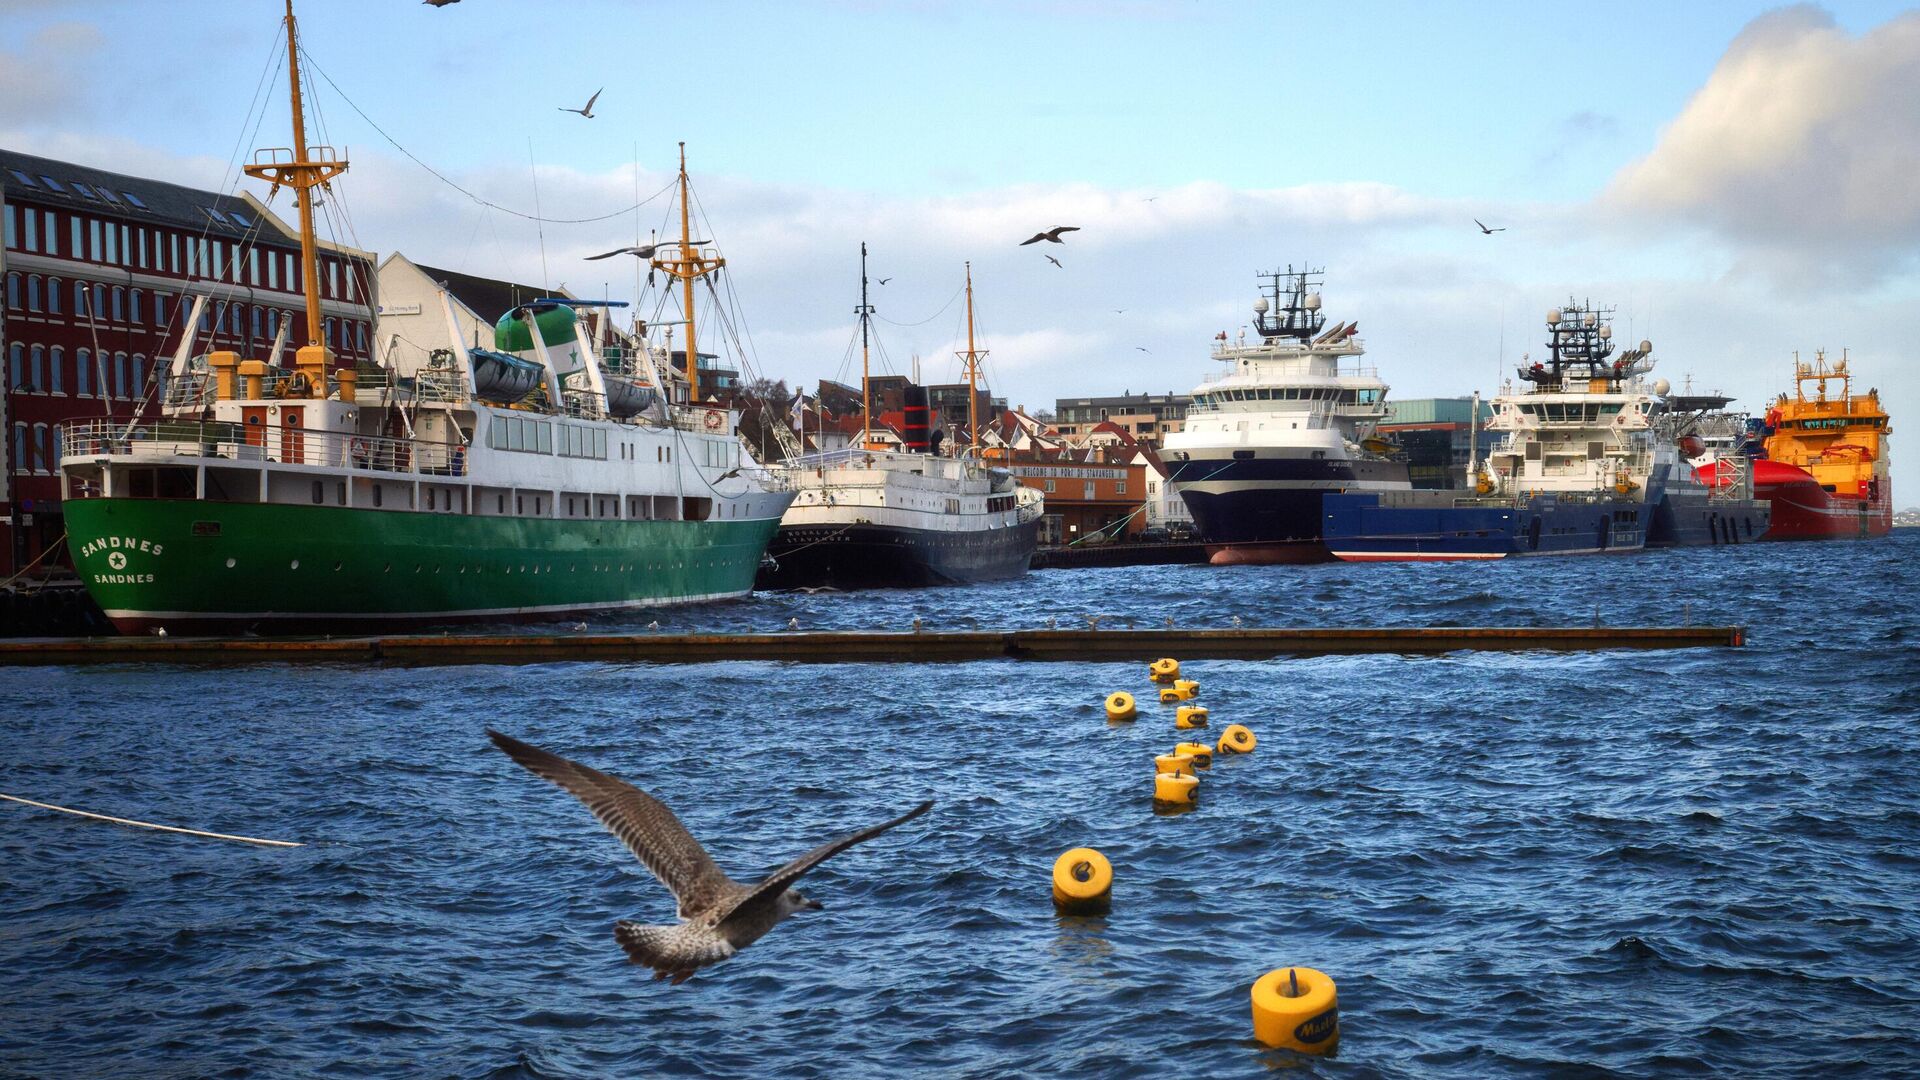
889 557
1434 526
1696 519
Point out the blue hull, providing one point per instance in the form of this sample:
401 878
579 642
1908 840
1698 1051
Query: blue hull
1692 519
1437 525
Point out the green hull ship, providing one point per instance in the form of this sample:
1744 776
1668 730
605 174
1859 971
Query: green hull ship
162 563
548 476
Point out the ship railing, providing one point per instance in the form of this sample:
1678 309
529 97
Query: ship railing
260 444
584 405
711 420
440 385
191 390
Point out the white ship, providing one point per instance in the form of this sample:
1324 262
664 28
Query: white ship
1292 419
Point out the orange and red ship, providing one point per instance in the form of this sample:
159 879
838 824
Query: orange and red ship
1825 465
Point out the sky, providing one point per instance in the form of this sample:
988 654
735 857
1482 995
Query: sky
1734 178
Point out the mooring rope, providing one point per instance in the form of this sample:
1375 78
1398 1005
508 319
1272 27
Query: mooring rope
151 825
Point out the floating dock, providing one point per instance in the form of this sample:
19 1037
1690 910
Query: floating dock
839 647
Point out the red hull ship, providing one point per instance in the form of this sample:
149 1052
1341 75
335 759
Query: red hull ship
1825 468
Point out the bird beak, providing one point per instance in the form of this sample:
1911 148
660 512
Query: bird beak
815 905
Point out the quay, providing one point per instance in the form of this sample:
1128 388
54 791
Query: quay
830 647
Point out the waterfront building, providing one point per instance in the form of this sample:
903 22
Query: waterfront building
1436 435
102 271
1146 417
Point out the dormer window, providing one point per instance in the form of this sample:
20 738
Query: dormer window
52 184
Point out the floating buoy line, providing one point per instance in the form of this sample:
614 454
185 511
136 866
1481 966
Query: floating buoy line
151 825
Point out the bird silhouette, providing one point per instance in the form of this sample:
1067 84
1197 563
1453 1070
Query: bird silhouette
718 916
654 625
643 251
884 280
1144 349
1055 261
1487 231
1151 198
1119 311
1052 235
439 3
588 111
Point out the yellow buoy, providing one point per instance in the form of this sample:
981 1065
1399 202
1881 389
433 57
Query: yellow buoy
1173 763
1188 688
1164 670
1082 882
1296 1009
1237 740
1170 696
1200 752
1190 716
1175 788
1120 706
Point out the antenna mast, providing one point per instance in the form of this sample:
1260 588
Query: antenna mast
972 357
865 311
304 172
687 266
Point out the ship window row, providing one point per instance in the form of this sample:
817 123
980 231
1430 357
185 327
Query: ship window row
583 442
521 434
39 369
239 262
1835 423
1568 411
1290 393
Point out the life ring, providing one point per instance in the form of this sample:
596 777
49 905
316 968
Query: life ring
712 421
358 448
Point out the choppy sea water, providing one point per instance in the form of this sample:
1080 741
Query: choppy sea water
1624 863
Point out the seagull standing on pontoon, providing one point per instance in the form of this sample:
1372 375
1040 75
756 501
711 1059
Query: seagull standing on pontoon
718 916
588 111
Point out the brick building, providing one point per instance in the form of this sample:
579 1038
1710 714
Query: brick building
101 271
1146 417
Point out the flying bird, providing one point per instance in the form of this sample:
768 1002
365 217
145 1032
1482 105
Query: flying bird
440 3
718 916
1052 234
1144 349
1119 311
1055 261
588 111
884 280
643 251
1151 198
1488 231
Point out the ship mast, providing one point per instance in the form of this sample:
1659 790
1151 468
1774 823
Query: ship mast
687 266
972 357
865 312
303 173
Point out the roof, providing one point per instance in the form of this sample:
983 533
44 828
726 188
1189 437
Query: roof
488 298
137 198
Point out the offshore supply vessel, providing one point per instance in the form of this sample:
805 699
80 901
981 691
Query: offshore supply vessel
526 481
870 517
1825 463
1292 419
1708 497
1574 473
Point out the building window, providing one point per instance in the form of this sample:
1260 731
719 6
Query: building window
1119 487
174 263
13 292
159 309
80 305
273 271
16 369
119 376
51 233
119 304
253 266
33 293
53 295
82 373
33 234
56 381
1049 487
133 306
95 245
19 447
13 237
112 248
79 248
138 365
41 457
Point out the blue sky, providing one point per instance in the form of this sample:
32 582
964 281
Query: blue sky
1360 136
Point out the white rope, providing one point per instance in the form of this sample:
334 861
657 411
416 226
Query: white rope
151 825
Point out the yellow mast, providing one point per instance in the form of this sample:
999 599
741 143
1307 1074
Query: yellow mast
688 266
303 174
972 357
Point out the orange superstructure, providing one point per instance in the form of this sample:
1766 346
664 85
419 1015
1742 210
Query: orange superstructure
1826 467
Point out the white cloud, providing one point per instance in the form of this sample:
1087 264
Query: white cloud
42 82
1801 147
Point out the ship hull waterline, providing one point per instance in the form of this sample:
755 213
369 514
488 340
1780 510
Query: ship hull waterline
198 567
868 556
1267 511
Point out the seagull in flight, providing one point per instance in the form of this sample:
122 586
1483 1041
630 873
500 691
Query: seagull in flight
1052 235
1487 231
884 280
588 111
1144 349
440 3
718 916
1055 261
643 251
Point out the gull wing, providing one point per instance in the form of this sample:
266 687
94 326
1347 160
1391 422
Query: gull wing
642 822
778 882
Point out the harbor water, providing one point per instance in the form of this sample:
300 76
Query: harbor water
1617 864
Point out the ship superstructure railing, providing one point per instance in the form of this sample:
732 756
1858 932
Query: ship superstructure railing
584 405
262 444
